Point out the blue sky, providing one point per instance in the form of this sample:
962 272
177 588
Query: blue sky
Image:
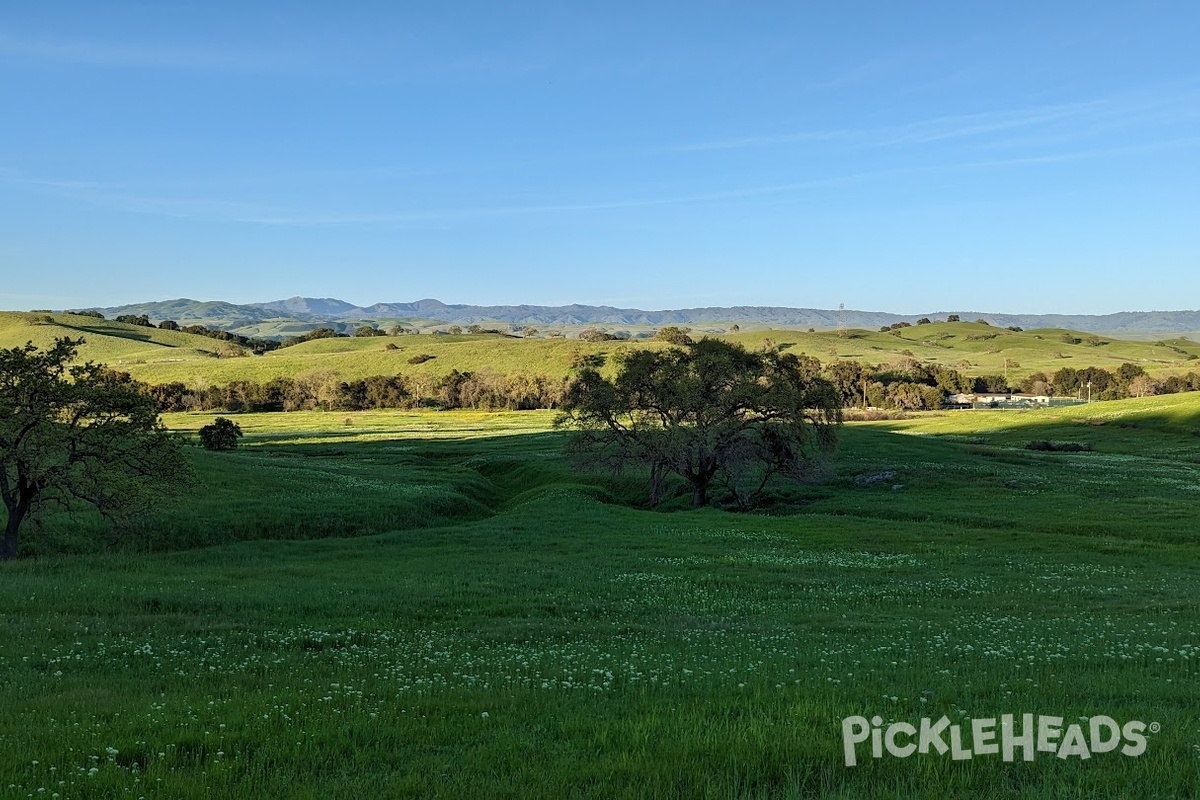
906 157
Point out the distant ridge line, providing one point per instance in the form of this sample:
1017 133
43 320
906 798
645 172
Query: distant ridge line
314 311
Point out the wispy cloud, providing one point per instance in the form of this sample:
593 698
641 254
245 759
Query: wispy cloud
120 199
965 125
412 61
235 211
1079 155
918 132
767 141
1148 106
181 56
860 73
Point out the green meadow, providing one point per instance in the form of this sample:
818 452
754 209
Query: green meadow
436 605
157 356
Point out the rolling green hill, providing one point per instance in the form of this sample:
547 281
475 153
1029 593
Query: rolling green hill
500 625
158 356
107 342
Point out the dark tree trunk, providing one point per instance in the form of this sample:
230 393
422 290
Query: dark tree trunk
700 479
8 547
656 483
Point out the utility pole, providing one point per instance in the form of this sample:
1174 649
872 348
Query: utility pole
841 320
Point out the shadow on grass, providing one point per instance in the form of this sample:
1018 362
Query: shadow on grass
116 333
309 442
341 489
290 485
1148 433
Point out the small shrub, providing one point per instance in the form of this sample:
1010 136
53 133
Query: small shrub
674 335
421 359
1058 447
221 434
872 415
595 335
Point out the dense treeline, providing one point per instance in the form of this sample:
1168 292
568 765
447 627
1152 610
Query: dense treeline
313 335
236 343
908 385
253 344
481 390
1128 380
912 385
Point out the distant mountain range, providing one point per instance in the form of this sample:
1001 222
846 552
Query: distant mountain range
298 314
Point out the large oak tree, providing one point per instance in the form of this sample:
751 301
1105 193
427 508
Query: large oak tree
708 412
72 433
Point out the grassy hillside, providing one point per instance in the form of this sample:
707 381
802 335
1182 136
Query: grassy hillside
505 627
978 349
108 342
162 356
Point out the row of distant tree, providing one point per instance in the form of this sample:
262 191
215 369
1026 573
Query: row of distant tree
260 345
895 326
236 343
909 385
913 385
482 389
400 330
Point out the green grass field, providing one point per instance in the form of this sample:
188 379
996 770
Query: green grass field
158 356
434 604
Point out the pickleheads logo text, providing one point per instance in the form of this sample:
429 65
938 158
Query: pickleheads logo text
1027 734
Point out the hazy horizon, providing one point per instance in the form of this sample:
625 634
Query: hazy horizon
999 312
